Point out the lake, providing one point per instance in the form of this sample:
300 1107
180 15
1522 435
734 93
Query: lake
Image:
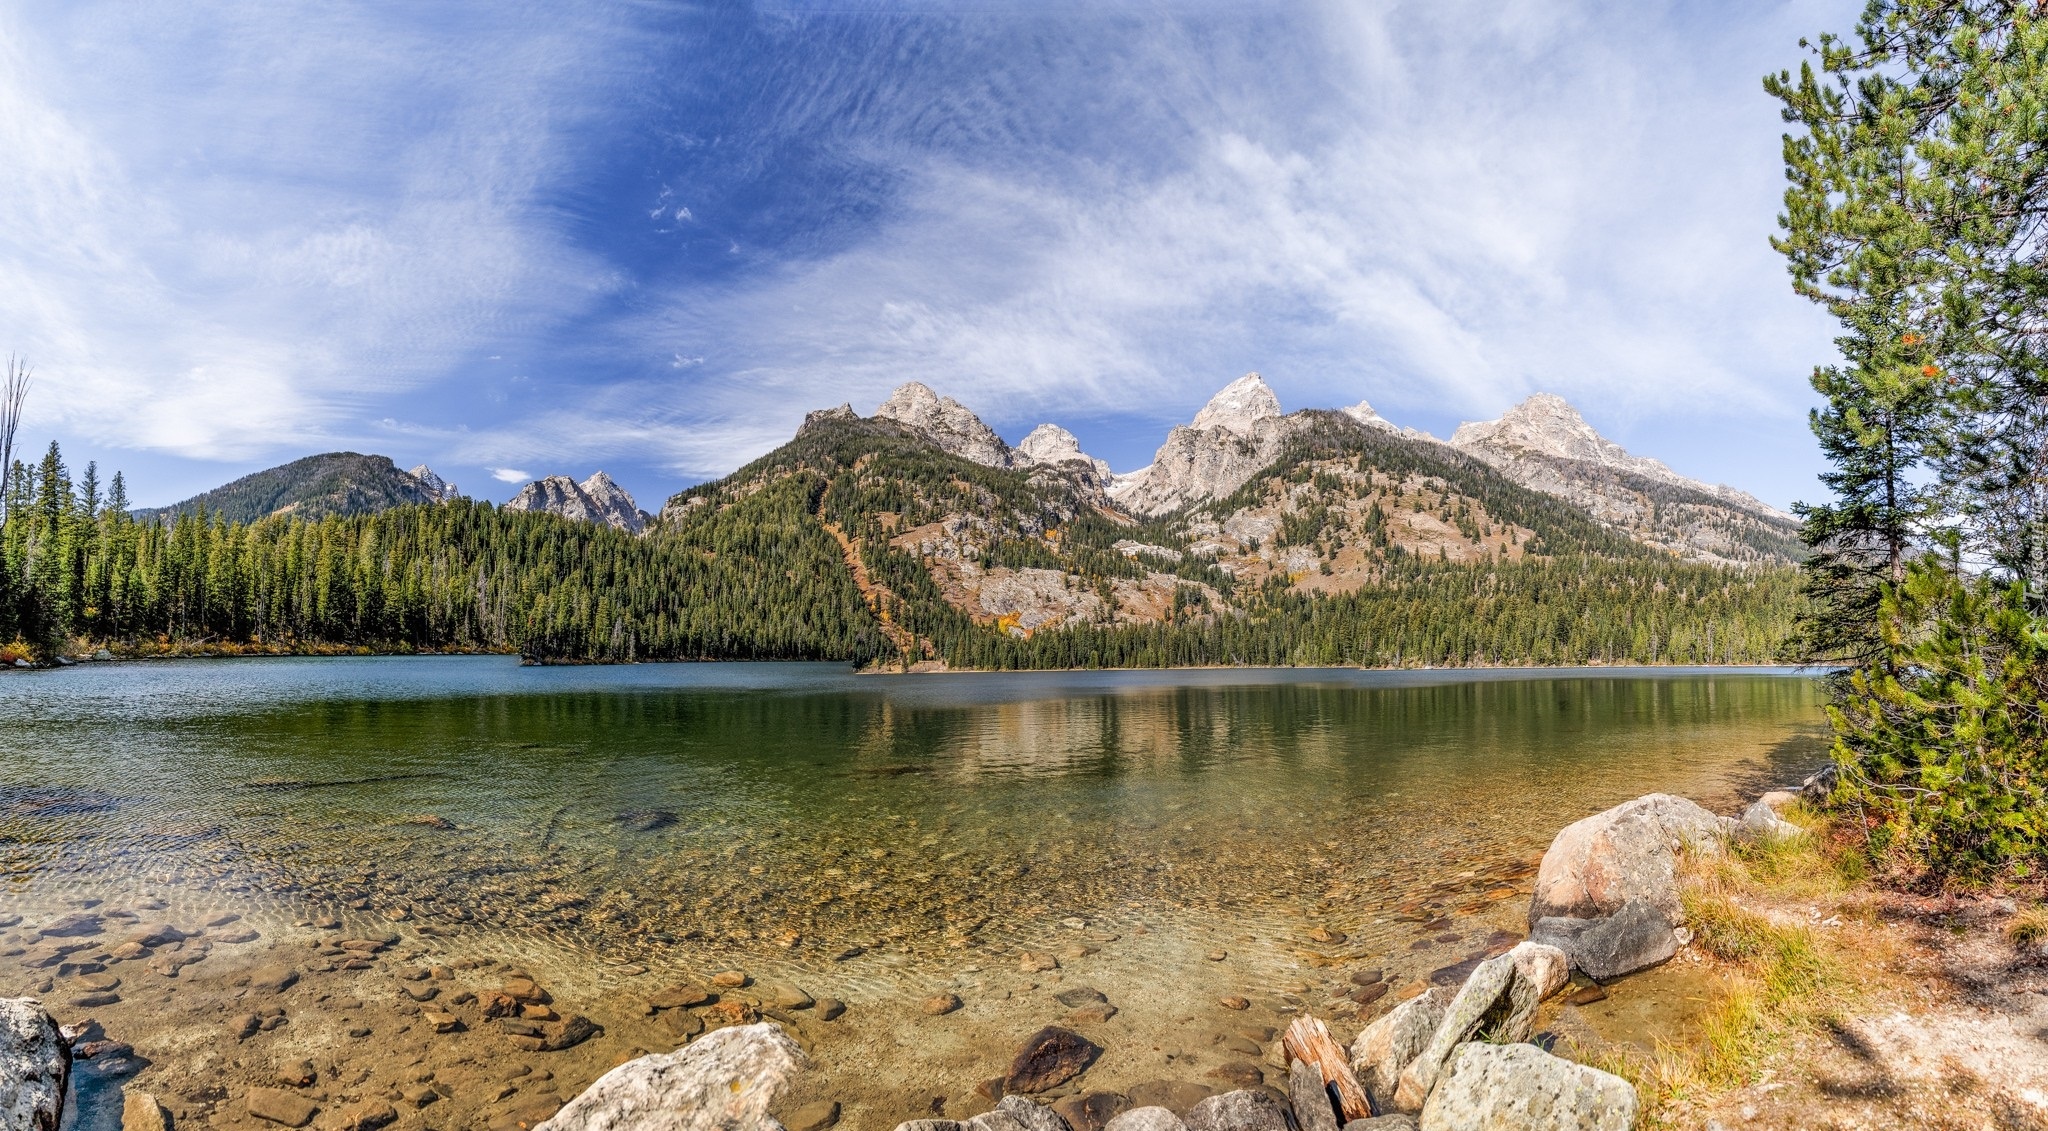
879 839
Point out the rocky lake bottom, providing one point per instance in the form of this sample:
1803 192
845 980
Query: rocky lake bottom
449 892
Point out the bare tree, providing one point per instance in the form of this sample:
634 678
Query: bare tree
13 391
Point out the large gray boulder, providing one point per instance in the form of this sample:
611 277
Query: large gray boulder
1636 937
724 1080
1383 1050
1629 852
1242 1110
1497 1003
35 1066
1522 1088
1313 1110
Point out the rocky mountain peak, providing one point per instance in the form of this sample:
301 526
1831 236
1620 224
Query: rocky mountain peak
1363 413
946 423
437 488
1239 406
596 499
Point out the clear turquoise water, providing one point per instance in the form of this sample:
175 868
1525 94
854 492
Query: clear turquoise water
694 813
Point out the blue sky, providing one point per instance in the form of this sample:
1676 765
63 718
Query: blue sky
513 239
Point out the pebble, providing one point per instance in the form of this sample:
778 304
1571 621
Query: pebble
1234 1002
940 1004
1033 963
1218 955
830 1008
679 997
442 1022
273 979
1588 996
297 1074
368 1115
732 979
1093 1014
280 1106
140 1111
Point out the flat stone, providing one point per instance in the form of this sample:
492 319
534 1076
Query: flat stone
830 1009
1384 1049
1238 1074
813 1116
442 1022
273 979
789 997
730 979
1305 1092
940 1004
1371 977
682 1023
1048 1058
1015 1113
1031 962
1079 996
297 1074
1487 1086
1095 1014
1234 1001
680 996
280 1106
73 926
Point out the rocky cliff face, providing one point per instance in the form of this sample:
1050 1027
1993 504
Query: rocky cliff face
596 499
946 423
435 487
1237 433
1543 443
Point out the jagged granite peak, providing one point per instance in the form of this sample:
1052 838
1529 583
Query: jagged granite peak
1052 444
438 488
613 504
561 495
946 423
1547 425
1239 406
1364 413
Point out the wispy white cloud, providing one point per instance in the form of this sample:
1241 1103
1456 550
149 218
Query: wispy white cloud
510 475
279 213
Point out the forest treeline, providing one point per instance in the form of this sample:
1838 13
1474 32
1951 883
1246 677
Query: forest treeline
761 577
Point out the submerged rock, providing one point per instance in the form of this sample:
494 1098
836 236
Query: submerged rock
1628 852
35 1067
1519 1087
1050 1057
726 1080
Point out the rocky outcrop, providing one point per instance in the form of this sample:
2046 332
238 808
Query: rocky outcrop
946 423
1516 1087
1236 434
435 487
1544 444
725 1080
35 1066
1497 1003
1628 852
1053 445
1363 413
596 499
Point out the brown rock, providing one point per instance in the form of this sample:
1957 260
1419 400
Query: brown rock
442 1022
1093 1014
297 1074
731 979
140 1111
939 1004
1034 963
273 979
1325 935
526 991
245 1026
1588 996
1237 1074
813 1117
1176 1096
683 1023
280 1106
1234 1002
1628 852
680 996
733 1012
830 1009
1050 1057
1092 1110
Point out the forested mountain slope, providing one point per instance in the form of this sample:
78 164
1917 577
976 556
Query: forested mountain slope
337 483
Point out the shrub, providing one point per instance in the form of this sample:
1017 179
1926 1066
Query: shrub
1943 745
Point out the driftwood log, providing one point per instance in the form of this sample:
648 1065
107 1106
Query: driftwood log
1308 1040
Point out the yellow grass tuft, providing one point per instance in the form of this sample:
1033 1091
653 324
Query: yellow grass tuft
2029 926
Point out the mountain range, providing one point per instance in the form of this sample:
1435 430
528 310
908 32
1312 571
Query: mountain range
334 483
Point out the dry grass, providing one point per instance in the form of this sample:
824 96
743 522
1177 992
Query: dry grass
1780 971
2029 926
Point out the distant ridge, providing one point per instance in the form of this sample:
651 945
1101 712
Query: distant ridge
334 483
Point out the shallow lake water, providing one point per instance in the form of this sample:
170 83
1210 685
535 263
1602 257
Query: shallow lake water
877 838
